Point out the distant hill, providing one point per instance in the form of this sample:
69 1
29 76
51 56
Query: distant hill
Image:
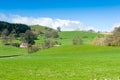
21 28
66 36
40 29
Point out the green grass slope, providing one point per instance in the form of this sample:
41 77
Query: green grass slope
9 50
64 63
66 36
87 37
39 28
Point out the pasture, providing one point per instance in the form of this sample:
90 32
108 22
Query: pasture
66 62
83 62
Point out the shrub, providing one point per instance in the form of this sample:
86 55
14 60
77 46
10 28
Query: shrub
114 38
49 43
34 48
84 36
77 41
99 41
15 44
51 34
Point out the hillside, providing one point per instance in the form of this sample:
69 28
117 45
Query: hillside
66 62
40 29
65 37
87 37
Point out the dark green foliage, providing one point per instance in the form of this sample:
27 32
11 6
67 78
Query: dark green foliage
29 37
19 28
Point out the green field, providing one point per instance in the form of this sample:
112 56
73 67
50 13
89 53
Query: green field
87 37
9 50
67 37
66 62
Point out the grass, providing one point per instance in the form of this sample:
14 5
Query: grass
87 37
9 50
64 63
67 37
39 28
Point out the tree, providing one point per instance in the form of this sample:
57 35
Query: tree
99 41
59 29
4 36
48 43
51 34
29 37
77 41
91 30
116 37
112 39
12 36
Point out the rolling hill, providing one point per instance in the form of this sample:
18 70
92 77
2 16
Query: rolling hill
86 36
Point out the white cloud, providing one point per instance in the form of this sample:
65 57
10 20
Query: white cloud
114 26
66 25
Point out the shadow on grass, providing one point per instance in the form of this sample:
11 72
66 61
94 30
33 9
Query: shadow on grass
9 56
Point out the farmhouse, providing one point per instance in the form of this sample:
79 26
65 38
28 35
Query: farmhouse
23 45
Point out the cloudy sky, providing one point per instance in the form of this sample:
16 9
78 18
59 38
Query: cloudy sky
102 15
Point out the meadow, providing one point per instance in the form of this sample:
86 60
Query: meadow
66 62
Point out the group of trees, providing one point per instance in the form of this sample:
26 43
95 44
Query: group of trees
112 39
9 31
17 28
6 36
50 37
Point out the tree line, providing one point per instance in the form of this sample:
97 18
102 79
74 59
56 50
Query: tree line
10 32
10 27
111 39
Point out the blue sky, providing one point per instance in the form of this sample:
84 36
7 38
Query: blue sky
98 14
